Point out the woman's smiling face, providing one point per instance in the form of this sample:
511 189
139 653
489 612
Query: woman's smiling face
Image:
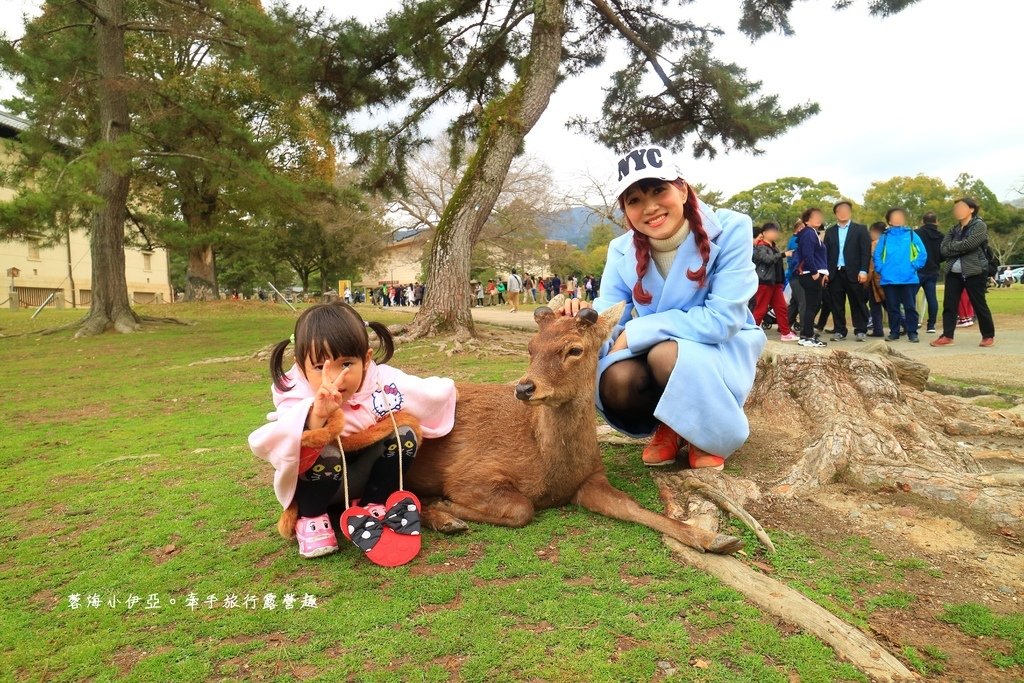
656 212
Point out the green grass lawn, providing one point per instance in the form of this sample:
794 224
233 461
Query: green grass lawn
126 473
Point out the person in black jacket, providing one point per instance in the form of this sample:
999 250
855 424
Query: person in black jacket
849 256
929 275
812 268
771 277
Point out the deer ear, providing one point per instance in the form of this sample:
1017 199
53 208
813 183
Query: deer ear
543 316
610 318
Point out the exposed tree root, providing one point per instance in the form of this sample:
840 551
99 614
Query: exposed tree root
735 509
163 319
861 416
786 603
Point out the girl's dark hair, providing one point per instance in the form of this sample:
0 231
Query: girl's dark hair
642 244
890 212
879 226
329 331
806 215
758 230
975 207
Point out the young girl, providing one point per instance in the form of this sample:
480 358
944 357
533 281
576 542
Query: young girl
336 389
682 360
898 256
768 263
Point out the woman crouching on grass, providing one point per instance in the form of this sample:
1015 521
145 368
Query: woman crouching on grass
682 360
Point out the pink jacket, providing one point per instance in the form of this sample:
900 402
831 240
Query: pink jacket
431 400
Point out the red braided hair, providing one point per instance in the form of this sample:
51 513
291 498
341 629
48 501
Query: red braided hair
642 243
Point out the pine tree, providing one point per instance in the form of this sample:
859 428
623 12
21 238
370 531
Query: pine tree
154 113
455 52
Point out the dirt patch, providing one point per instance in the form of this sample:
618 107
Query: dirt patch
451 663
270 558
65 414
450 565
630 579
918 629
275 639
247 533
46 599
126 658
165 552
441 607
897 528
624 644
962 565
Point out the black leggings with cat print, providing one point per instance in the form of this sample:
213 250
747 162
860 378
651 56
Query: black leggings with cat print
372 474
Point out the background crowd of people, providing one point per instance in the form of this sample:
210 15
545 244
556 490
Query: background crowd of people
871 269
529 288
398 295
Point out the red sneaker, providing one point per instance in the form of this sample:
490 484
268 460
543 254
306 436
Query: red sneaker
942 341
987 341
701 460
663 448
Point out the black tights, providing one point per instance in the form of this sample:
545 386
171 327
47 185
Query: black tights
372 474
630 389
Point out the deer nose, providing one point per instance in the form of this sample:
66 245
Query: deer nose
524 390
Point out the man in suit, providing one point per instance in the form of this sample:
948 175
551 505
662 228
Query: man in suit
849 253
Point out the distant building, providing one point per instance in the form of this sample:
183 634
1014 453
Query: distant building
401 262
46 269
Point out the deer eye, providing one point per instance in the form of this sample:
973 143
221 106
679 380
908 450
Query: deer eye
575 351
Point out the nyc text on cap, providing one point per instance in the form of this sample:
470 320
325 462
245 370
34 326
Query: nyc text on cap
649 161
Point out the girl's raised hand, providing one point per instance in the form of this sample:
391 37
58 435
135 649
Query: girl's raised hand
328 397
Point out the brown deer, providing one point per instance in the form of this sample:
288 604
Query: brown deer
512 453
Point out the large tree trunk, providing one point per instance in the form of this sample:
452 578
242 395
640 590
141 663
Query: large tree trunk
446 305
201 274
110 306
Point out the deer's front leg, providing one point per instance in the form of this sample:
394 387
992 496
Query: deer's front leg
437 519
501 507
598 495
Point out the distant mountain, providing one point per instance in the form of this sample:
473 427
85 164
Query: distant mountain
572 225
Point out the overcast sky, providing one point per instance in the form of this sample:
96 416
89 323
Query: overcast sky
934 90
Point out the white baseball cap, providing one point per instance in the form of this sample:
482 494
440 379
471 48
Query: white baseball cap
648 161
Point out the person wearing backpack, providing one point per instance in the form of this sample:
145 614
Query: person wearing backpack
898 256
964 249
932 238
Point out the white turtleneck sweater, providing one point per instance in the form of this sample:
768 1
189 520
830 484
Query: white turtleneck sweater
663 252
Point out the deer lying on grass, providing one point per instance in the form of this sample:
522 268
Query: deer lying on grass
511 454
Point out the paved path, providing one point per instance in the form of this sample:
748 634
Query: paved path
1001 365
500 315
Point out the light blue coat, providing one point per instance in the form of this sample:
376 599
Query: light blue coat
719 342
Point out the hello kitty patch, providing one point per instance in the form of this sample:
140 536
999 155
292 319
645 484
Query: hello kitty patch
386 400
